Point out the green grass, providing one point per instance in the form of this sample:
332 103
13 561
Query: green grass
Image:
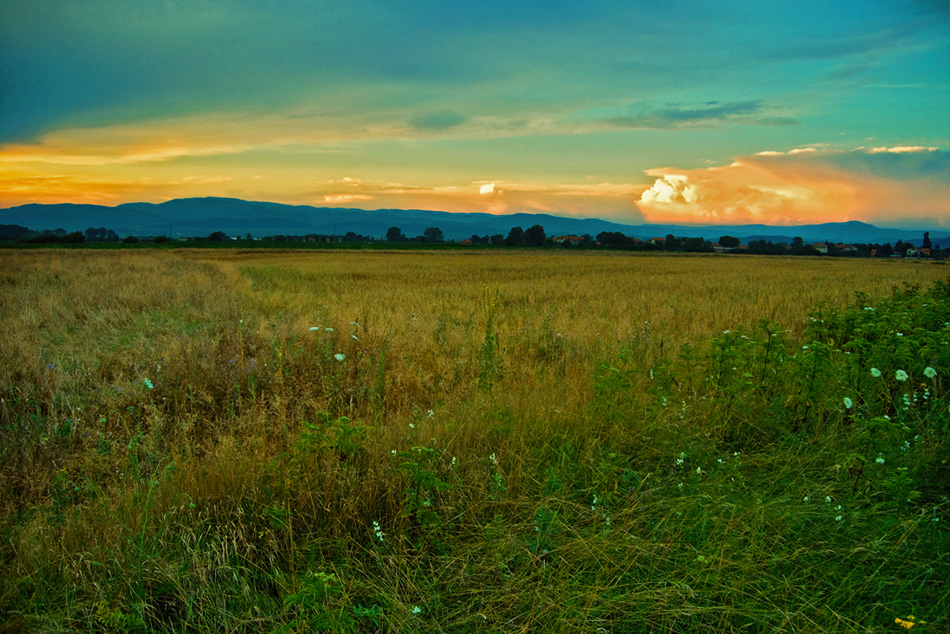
762 481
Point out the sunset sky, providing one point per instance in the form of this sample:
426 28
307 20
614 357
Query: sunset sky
679 111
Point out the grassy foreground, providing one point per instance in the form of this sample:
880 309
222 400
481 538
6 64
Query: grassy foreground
421 442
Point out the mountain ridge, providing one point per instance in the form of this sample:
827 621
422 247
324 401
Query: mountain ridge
203 215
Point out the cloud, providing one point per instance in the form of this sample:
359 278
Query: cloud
606 200
802 187
704 115
438 121
902 149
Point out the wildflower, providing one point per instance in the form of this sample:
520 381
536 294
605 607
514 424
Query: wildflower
929 372
827 499
805 499
879 460
848 403
412 426
339 356
910 622
900 334
416 609
314 328
328 329
378 531
431 414
837 518
869 309
699 471
148 384
875 373
900 375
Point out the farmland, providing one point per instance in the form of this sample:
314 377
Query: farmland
428 442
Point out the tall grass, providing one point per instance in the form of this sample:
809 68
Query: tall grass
443 442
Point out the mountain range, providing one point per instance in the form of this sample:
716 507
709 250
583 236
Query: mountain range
186 217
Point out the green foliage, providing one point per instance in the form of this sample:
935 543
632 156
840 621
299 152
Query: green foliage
422 489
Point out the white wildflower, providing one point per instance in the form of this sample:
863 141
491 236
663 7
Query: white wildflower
339 356
929 372
848 403
875 373
900 375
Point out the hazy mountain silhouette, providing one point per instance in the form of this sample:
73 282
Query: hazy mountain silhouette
202 216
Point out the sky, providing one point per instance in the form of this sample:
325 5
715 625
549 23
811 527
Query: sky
685 111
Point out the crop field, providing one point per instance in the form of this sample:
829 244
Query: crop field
262 441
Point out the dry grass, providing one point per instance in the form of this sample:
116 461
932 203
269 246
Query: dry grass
173 454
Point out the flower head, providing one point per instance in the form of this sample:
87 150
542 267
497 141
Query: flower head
875 373
148 384
339 356
848 403
900 375
929 372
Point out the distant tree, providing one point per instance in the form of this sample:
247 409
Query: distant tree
885 251
394 234
729 242
13 232
696 245
927 244
433 234
534 236
497 240
217 236
672 243
130 239
161 239
614 239
515 237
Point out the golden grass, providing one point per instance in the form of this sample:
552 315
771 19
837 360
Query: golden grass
152 407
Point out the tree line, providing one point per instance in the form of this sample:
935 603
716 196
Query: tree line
533 236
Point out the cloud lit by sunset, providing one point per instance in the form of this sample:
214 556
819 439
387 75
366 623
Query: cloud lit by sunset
771 113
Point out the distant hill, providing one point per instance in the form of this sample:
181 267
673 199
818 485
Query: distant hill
202 216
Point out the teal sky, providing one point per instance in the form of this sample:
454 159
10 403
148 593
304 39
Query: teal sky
690 111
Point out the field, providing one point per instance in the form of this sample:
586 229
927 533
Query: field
451 442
